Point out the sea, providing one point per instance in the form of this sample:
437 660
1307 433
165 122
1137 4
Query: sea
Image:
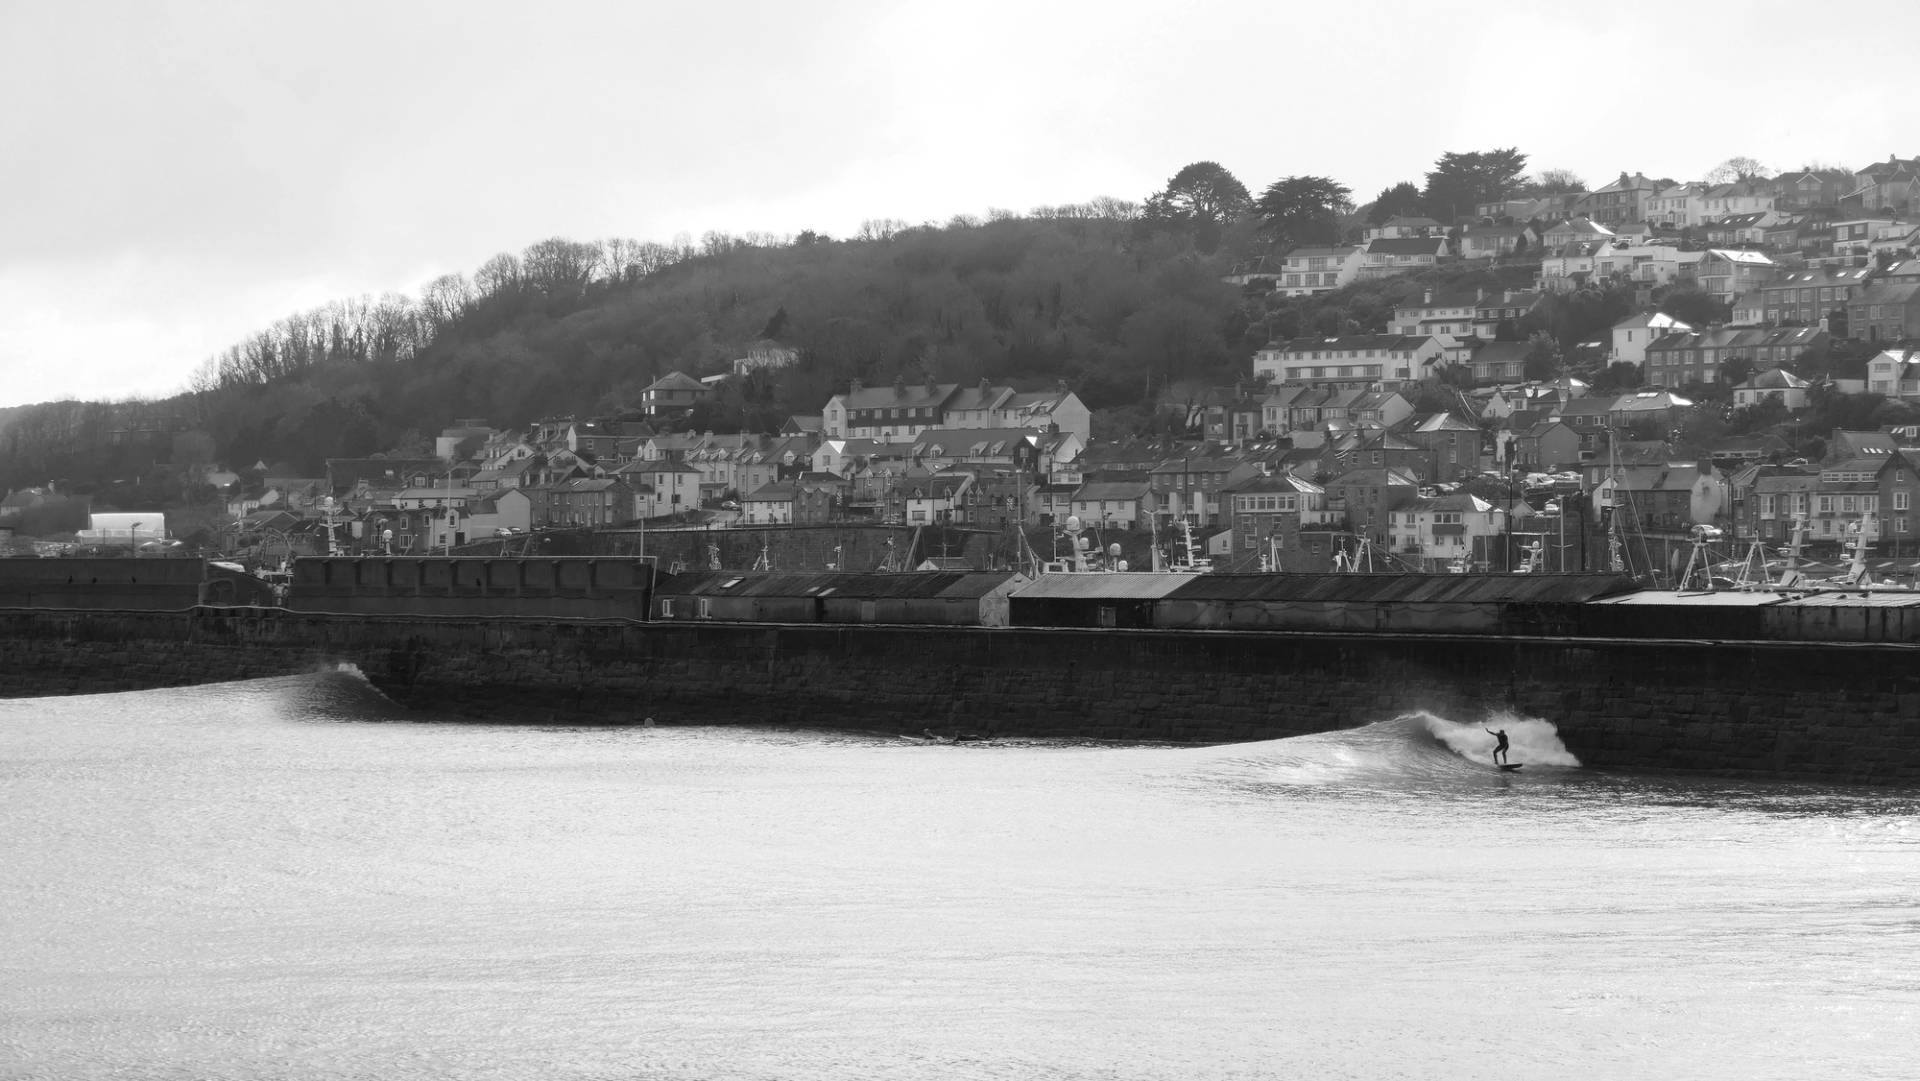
293 878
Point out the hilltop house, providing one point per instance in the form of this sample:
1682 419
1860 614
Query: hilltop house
672 393
1385 258
1623 200
1306 271
1495 241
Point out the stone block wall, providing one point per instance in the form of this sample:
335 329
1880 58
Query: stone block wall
1836 712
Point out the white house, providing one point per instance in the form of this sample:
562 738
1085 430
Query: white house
1306 271
661 488
1632 335
1445 533
1778 383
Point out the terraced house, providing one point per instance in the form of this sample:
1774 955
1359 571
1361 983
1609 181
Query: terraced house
1885 312
1810 297
1355 359
1696 357
1270 510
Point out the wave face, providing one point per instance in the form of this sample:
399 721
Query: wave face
1413 747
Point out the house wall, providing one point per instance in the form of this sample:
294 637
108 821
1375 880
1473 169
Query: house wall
1847 713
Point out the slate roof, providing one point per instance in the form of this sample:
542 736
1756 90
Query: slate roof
972 441
675 381
1431 245
1121 490
1390 342
1895 293
1375 477
898 396
1278 482
1445 422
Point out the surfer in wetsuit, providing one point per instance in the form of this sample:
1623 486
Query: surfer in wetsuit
1499 749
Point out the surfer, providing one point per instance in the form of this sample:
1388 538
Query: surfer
1500 748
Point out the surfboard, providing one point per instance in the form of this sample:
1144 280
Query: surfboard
1510 766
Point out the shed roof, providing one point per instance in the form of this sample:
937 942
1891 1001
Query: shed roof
1117 585
1405 588
942 584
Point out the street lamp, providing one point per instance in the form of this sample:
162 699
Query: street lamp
133 539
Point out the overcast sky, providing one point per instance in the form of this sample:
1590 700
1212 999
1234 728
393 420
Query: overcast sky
179 175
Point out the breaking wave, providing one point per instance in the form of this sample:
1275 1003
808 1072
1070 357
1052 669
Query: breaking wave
1412 747
339 692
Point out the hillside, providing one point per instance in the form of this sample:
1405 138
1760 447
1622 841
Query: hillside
1114 307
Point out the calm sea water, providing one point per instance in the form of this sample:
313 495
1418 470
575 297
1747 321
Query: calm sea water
283 879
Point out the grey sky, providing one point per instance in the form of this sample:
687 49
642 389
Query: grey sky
181 174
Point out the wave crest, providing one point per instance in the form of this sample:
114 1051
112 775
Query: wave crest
1417 747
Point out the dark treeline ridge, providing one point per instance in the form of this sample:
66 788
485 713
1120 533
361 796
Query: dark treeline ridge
1117 310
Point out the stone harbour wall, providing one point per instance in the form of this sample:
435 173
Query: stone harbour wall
1809 710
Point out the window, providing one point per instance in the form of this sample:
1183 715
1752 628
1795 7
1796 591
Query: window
1900 500
666 607
706 608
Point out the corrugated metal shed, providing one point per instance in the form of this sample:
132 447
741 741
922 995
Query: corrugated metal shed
1873 598
1733 598
981 583
1403 588
1120 585
1725 598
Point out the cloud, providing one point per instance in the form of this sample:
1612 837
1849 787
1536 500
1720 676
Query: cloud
185 174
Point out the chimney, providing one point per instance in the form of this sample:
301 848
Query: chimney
858 386
1427 298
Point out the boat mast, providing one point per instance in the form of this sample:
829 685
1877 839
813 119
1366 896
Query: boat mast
1616 559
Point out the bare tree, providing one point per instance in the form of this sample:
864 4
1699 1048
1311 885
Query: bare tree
1737 168
443 300
557 265
498 275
